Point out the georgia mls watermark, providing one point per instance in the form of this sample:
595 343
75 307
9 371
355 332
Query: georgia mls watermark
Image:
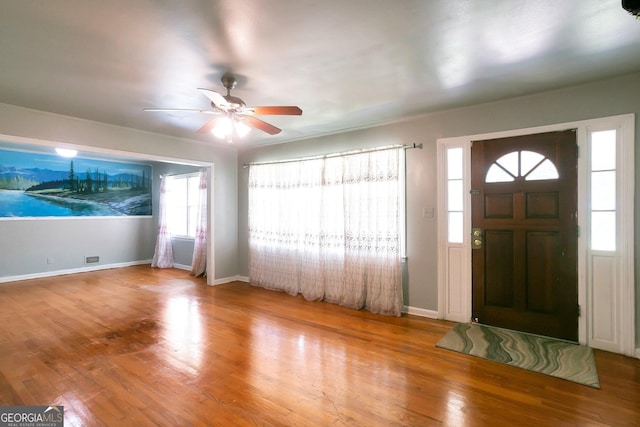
31 416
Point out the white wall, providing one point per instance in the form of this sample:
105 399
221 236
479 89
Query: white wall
25 245
597 99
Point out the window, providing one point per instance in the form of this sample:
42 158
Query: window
183 204
455 195
329 228
529 164
603 190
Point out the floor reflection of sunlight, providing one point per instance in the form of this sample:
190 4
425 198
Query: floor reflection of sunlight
183 333
455 408
75 412
334 376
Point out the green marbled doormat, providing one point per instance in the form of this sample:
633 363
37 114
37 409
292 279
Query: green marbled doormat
548 356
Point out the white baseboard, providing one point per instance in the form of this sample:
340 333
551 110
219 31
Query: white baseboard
637 353
43 274
86 269
71 271
231 279
422 312
217 281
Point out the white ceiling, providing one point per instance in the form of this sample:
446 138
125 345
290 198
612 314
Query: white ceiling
347 63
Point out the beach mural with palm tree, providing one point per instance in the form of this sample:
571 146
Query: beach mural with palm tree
47 185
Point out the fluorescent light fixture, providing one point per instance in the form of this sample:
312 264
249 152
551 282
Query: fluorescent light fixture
66 152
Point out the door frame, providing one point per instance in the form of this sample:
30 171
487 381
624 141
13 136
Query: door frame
607 319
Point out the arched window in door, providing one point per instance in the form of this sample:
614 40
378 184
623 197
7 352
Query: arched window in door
528 164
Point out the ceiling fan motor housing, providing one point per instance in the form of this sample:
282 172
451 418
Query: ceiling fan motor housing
228 81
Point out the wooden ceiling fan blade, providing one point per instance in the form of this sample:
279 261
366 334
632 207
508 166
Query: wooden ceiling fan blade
213 96
259 124
207 127
282 110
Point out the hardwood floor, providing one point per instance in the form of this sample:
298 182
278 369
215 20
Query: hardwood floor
141 346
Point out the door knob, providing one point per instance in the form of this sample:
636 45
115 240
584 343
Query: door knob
476 238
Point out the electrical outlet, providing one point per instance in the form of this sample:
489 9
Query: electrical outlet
49 261
427 212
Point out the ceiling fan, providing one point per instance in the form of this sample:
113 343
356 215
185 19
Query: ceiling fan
235 118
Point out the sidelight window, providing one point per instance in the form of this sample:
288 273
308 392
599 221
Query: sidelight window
455 195
603 190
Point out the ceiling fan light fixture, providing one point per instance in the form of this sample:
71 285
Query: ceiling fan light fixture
242 129
223 128
227 127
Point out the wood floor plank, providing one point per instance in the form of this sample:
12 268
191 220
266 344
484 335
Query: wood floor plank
141 346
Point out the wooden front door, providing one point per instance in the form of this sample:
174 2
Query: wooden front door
524 233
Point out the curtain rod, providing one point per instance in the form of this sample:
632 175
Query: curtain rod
346 153
168 175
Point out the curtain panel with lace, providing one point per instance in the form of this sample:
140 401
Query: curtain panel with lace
163 255
199 259
329 228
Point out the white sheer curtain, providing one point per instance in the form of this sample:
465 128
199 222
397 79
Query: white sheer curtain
329 229
163 256
199 260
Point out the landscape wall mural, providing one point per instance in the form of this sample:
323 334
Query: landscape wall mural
47 185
